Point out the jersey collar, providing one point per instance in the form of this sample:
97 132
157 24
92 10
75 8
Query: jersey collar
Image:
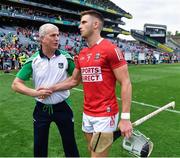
42 55
99 41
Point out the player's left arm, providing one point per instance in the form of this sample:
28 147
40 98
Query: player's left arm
120 70
122 75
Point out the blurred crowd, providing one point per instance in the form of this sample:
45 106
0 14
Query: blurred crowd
139 53
17 44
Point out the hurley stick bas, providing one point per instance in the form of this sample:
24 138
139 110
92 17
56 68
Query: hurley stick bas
101 141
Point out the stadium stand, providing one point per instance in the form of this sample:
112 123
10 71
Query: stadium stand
18 37
176 39
174 42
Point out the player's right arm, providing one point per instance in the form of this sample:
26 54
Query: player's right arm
69 83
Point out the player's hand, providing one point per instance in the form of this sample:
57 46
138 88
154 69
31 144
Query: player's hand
52 88
125 127
43 92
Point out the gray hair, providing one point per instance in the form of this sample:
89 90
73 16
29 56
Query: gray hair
43 30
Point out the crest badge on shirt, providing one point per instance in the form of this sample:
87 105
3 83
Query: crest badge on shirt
97 56
60 65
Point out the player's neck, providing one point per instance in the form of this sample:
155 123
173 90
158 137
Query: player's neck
92 40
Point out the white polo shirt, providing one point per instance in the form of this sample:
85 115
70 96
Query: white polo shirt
46 72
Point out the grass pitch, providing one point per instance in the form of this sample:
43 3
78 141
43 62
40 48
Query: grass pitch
153 86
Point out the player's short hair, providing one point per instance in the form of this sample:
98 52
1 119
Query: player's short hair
43 30
94 13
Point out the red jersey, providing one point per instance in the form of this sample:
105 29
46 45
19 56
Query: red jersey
96 65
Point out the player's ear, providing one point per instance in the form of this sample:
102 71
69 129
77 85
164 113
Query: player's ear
96 24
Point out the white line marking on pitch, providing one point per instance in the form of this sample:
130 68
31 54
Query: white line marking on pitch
135 102
139 103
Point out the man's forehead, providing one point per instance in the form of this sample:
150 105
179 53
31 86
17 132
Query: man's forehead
52 30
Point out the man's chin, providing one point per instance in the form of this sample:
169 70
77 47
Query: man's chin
84 36
55 47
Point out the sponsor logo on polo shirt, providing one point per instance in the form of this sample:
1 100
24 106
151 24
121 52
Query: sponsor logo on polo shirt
91 74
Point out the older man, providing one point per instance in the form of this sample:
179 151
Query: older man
49 66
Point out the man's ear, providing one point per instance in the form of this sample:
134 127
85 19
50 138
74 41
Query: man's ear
96 24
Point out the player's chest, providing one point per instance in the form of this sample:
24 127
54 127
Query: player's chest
92 59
